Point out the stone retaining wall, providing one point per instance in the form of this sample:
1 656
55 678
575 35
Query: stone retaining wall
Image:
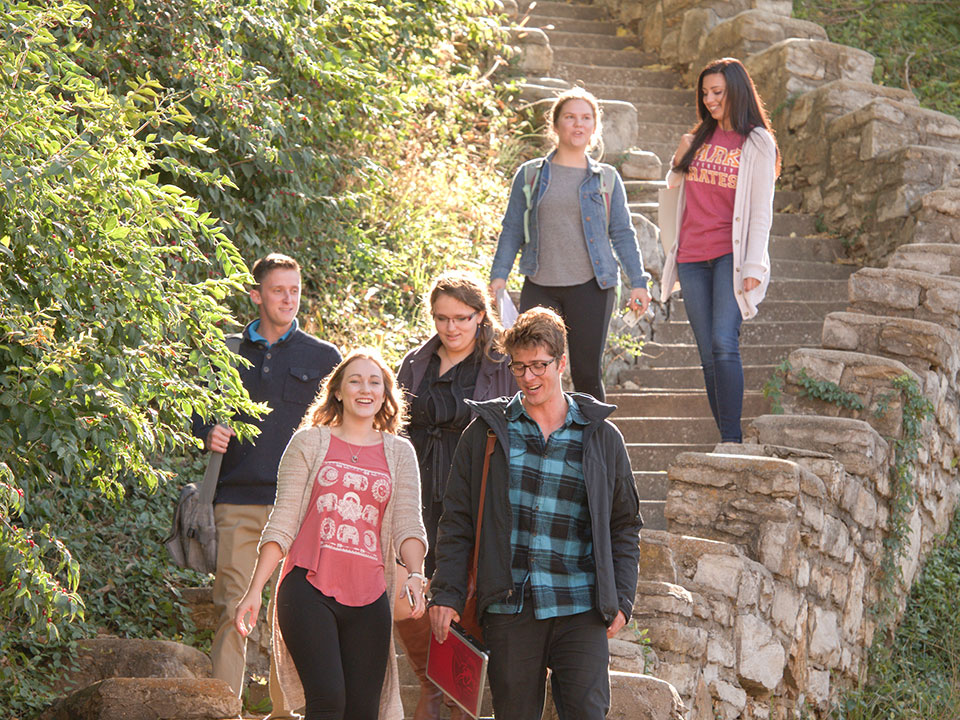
759 601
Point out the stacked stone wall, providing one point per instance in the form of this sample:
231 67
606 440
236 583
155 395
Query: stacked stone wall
765 595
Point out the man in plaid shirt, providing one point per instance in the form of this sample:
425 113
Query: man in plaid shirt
559 542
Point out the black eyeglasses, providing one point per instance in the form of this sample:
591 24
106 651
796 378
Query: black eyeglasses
538 367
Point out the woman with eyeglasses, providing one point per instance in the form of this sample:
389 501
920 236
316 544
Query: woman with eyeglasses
568 218
347 505
456 364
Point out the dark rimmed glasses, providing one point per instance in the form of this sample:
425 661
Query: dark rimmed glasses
537 367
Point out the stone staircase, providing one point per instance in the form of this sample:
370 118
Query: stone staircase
665 412
765 594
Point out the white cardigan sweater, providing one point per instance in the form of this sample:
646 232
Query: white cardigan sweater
752 217
299 466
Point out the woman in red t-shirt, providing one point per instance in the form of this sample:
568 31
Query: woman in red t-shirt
347 505
726 170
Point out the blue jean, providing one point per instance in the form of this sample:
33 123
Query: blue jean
715 318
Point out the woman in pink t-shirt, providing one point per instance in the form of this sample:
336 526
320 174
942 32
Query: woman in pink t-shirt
347 505
726 170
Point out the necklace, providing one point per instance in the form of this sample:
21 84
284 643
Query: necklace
354 456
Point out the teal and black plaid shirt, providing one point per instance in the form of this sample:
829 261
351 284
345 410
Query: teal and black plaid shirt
551 539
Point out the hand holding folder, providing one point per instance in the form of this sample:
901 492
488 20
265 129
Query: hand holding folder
458 667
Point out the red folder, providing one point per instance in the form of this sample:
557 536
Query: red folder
459 668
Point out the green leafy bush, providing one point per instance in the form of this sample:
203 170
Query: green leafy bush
331 121
916 42
915 674
148 150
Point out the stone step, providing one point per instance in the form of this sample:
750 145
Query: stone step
561 40
679 115
790 289
660 133
615 60
669 429
656 457
685 354
641 94
574 69
652 513
651 484
666 379
664 151
547 22
755 332
806 247
787 201
683 403
771 310
800 224
410 696
809 269
643 190
558 9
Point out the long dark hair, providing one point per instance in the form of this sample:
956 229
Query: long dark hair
744 106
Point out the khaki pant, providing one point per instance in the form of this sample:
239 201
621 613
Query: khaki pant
238 534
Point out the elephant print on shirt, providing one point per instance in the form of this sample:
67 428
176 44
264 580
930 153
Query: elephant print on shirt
348 534
327 501
349 504
355 481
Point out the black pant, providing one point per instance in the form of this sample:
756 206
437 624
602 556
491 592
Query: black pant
574 647
340 652
586 311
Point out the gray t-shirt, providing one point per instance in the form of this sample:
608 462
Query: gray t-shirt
563 257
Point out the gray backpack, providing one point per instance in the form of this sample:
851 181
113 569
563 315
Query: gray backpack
192 542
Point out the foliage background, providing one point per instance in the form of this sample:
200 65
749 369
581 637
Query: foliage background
915 673
916 42
150 150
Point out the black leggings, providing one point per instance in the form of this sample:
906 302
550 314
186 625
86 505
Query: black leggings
340 652
586 311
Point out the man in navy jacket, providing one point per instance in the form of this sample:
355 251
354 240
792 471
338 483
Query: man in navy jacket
559 543
286 368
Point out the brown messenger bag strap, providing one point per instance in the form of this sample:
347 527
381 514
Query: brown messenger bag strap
491 443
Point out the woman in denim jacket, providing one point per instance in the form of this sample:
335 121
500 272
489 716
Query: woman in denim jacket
572 231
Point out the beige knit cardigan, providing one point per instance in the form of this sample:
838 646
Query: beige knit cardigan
752 218
299 466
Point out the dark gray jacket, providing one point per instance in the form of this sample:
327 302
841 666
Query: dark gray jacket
287 377
611 495
494 379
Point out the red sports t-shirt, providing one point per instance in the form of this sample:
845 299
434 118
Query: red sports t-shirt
339 540
706 229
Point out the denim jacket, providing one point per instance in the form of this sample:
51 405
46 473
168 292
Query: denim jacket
602 242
